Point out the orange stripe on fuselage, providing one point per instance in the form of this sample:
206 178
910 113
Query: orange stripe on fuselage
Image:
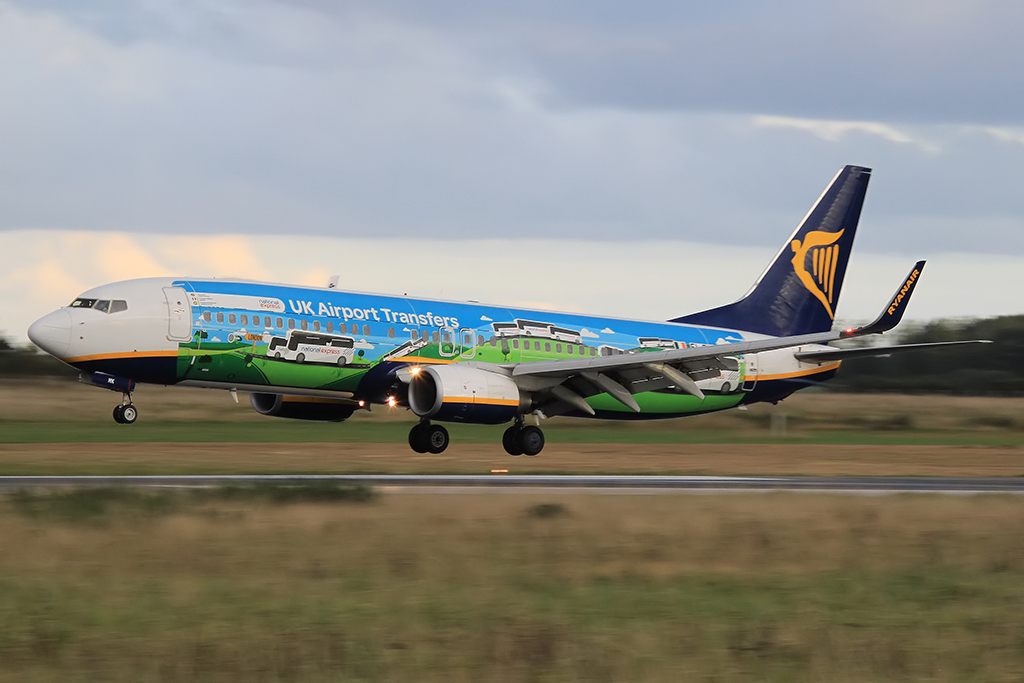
798 373
123 354
478 399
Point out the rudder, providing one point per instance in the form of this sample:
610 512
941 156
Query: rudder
799 291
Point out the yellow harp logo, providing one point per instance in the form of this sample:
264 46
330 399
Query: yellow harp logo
824 255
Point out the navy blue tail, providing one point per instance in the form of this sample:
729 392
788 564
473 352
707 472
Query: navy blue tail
799 291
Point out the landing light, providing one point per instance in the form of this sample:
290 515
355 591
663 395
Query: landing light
414 371
392 402
362 404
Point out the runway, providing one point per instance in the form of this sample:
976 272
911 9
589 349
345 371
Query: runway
519 483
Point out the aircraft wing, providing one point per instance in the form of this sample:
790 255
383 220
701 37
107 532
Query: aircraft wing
570 381
878 351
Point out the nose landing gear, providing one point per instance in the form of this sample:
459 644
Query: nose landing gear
126 413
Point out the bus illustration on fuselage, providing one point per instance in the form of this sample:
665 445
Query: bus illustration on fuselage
314 347
542 330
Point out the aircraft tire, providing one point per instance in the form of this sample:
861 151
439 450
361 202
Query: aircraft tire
417 439
119 414
301 358
129 414
531 439
436 438
510 440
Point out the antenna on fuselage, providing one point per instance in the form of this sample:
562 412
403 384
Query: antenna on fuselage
333 282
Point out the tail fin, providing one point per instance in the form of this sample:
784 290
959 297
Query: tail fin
799 291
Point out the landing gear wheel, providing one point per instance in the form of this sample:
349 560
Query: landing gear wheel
417 439
129 414
531 439
510 440
119 414
436 438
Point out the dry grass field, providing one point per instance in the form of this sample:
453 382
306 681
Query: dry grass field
253 585
121 586
62 428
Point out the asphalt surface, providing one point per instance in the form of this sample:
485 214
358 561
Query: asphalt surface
519 483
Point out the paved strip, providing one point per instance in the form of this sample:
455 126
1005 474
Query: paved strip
520 482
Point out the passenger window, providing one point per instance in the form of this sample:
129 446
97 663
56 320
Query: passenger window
118 305
245 319
414 335
558 348
316 325
206 316
220 317
435 336
231 318
305 324
515 343
479 340
280 323
494 342
583 350
330 326
569 348
366 330
291 323
424 336
592 351
353 329
391 333
547 346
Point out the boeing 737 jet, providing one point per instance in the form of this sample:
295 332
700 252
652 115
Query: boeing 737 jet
322 353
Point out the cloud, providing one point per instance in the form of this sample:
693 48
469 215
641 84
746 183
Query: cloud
836 130
607 330
587 333
486 319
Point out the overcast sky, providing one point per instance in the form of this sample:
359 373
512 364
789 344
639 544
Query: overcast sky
127 121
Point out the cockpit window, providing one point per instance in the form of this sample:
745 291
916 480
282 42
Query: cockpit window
101 305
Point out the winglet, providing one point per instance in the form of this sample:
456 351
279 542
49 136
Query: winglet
893 313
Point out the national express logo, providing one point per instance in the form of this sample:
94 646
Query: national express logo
820 276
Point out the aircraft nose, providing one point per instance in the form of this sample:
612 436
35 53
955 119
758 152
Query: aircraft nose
52 333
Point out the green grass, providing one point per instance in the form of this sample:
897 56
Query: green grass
392 432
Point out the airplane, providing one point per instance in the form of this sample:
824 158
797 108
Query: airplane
312 353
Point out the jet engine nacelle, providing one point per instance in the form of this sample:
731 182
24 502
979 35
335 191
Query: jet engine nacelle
466 394
301 407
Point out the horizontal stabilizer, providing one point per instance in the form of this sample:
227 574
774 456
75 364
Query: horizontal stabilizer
876 351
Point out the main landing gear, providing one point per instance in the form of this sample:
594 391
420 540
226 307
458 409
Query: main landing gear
126 413
428 438
523 440
519 439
